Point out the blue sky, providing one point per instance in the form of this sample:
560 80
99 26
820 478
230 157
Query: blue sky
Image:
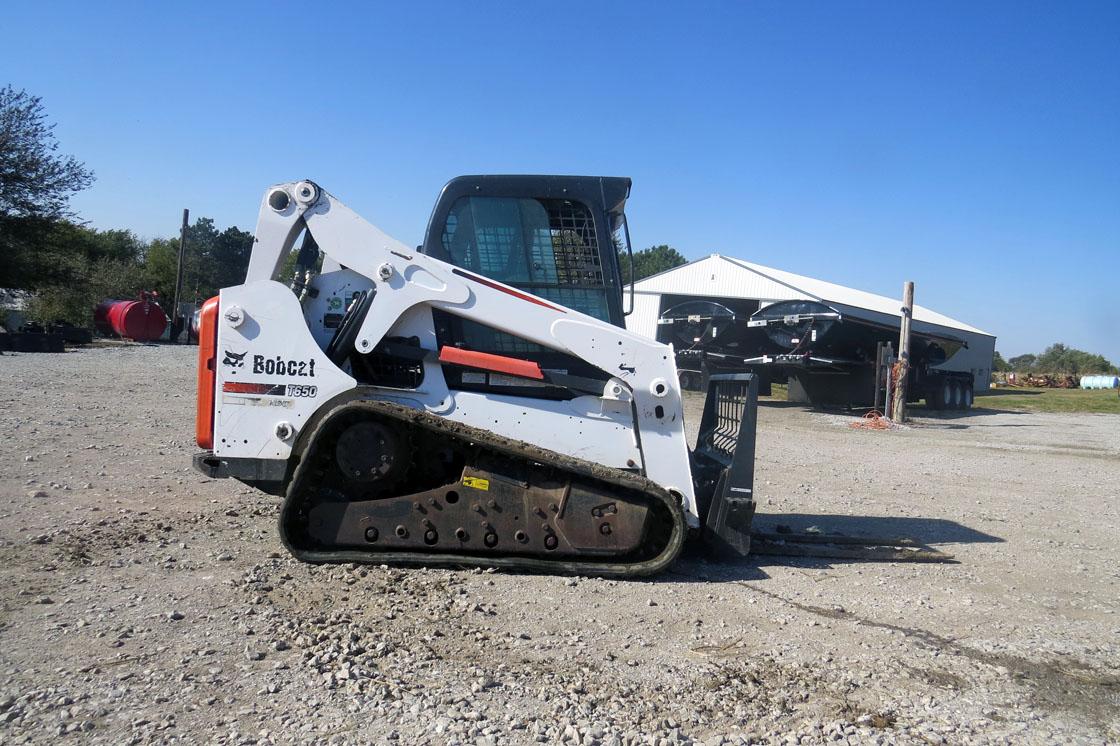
971 147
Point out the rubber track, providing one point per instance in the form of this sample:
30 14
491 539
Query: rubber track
298 486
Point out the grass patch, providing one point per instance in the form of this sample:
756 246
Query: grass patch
1104 401
1023 400
778 392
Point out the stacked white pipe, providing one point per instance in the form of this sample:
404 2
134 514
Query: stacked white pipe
1100 382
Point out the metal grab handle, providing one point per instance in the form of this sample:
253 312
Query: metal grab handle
630 252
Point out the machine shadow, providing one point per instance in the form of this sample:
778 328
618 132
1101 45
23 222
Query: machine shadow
925 531
968 417
977 417
976 413
781 404
695 566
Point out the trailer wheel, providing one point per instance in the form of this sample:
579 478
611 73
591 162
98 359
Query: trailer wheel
966 397
943 394
933 394
956 394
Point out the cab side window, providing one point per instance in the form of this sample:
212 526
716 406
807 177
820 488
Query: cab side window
546 247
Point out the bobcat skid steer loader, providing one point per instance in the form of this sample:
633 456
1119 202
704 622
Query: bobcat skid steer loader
474 401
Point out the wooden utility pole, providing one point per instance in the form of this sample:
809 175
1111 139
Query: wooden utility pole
898 409
175 323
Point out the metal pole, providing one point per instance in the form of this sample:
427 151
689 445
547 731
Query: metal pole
878 376
888 381
899 409
888 406
175 322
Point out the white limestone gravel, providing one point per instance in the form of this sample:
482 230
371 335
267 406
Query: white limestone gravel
143 603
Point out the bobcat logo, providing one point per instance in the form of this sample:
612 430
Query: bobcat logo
234 360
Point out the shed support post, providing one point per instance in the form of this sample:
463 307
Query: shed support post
898 410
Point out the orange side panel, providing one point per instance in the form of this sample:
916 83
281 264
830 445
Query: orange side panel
487 361
207 357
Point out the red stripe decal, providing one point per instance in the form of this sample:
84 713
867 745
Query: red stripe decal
508 291
486 361
233 387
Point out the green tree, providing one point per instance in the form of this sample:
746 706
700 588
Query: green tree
214 259
38 246
1062 359
230 257
54 252
999 365
650 261
74 267
74 302
30 258
35 180
161 260
1059 358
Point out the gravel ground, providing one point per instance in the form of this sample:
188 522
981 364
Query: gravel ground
141 602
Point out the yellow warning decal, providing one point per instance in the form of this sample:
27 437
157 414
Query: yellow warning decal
477 483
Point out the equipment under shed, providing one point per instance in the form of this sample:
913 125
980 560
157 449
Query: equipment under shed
691 305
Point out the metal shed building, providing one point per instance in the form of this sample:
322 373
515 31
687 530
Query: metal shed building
750 286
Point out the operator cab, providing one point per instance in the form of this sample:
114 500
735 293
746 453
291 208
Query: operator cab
557 237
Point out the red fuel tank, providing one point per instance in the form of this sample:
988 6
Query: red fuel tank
140 320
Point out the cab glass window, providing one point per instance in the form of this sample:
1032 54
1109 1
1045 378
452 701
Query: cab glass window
547 247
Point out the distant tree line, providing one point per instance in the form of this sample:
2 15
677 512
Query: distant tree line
1057 358
69 267
650 261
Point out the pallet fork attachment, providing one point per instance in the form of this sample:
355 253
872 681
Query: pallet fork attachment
723 462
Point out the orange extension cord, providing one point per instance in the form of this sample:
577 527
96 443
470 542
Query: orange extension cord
873 420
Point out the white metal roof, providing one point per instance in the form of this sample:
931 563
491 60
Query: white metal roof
728 277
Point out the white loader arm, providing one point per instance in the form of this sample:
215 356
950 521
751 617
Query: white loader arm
641 369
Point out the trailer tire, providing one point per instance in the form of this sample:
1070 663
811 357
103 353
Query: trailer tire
942 393
931 397
966 397
957 395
